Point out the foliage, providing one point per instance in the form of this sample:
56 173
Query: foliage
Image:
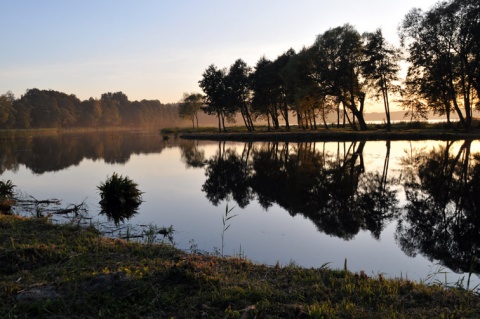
120 198
64 271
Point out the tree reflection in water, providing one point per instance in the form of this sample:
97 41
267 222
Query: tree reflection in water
440 218
442 214
332 190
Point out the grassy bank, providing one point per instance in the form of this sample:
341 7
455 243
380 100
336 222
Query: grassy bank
61 271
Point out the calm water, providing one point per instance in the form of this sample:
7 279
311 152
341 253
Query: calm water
398 208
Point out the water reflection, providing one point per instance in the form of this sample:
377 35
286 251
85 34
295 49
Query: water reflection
331 189
440 218
430 194
442 214
51 153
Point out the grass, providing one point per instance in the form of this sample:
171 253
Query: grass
65 271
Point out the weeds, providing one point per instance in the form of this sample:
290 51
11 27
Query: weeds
434 277
225 219
150 235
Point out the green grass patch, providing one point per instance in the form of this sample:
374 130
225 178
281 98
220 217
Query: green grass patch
64 271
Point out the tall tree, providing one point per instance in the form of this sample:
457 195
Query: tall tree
238 89
380 67
443 56
216 95
262 85
283 94
306 98
338 63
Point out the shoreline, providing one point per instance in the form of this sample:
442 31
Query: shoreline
335 135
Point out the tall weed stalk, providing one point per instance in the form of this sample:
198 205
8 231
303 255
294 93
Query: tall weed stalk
226 226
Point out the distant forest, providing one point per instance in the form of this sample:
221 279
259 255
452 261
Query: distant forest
52 109
342 69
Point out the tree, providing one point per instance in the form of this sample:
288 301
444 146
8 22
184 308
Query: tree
283 95
238 89
262 85
380 67
7 112
271 96
189 106
338 70
443 56
214 86
43 108
305 97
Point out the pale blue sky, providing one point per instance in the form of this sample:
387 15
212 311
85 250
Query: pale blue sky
158 49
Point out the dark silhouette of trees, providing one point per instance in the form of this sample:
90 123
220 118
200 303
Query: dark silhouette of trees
380 67
340 68
263 97
238 91
338 63
442 51
306 98
213 84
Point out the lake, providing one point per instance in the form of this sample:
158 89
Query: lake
401 209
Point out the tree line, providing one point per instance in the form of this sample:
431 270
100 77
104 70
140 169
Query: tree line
52 109
342 68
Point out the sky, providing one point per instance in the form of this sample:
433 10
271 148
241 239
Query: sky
158 49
